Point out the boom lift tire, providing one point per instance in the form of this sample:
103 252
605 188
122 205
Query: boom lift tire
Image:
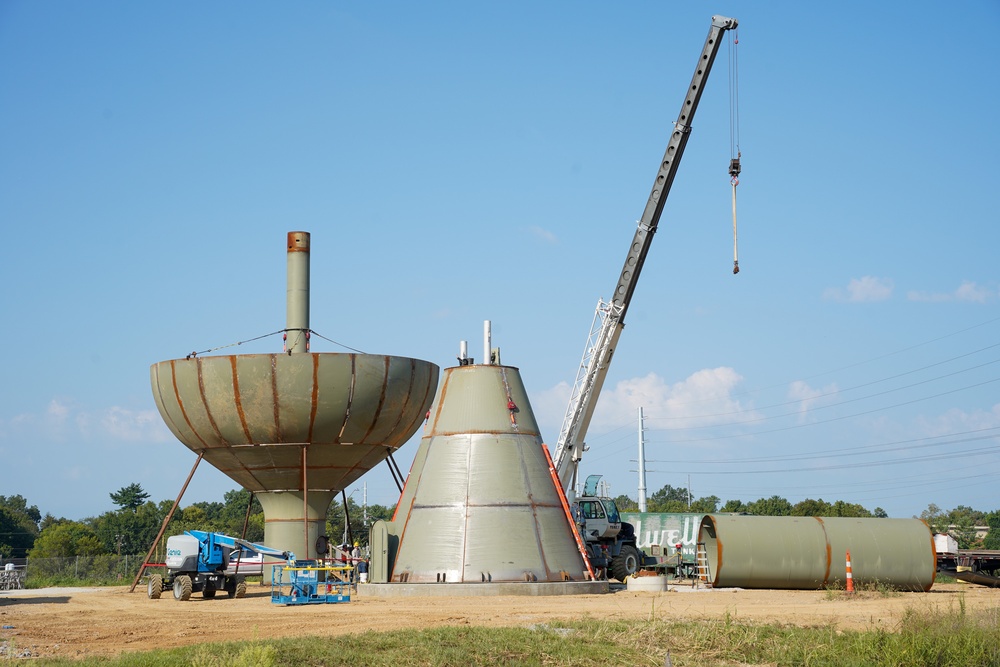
209 591
625 563
154 587
236 587
182 588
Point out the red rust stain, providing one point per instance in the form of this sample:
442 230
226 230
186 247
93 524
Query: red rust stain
274 396
829 551
350 398
204 401
718 553
406 401
381 399
237 400
294 246
444 394
180 403
933 558
315 396
413 424
428 396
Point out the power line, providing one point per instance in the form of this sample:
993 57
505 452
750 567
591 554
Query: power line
825 421
865 450
860 386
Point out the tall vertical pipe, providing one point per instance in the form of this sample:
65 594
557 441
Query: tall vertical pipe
297 294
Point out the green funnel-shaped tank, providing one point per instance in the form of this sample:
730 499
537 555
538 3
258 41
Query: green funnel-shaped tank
295 428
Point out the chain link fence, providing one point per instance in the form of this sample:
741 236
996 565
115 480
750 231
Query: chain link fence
104 569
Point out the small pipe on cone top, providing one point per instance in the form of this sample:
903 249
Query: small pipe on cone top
297 295
487 336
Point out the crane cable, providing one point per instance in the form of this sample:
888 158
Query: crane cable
734 133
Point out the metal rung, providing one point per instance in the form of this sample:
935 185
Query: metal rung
704 571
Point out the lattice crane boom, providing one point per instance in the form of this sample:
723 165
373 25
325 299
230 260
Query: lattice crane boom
609 319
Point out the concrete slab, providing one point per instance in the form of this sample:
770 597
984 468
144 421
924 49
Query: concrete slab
483 589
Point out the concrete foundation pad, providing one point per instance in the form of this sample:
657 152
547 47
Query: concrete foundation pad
647 583
483 589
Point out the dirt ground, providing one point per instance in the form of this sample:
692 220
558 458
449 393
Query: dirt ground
80 622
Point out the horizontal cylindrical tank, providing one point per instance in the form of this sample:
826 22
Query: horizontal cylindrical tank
810 552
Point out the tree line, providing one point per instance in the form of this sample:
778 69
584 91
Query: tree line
678 499
961 522
132 527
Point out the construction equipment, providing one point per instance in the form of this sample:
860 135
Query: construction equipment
202 562
606 542
311 582
610 542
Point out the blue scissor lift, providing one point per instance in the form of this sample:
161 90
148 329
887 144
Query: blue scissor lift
311 582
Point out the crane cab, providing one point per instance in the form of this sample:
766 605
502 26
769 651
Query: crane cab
599 516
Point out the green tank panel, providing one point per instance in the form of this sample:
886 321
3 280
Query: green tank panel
811 552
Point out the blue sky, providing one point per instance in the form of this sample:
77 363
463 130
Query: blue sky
456 162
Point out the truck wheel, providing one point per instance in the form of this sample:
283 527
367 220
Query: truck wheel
625 563
241 588
209 591
182 588
154 586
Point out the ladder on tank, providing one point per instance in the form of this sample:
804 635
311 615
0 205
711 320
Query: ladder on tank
704 571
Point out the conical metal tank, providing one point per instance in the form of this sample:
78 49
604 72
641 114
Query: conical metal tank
298 427
480 504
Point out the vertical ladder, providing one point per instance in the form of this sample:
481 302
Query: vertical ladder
704 572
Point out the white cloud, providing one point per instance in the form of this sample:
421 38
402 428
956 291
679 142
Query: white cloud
543 234
133 425
63 421
861 290
57 410
968 291
807 396
702 399
960 421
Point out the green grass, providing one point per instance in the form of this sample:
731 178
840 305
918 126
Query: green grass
951 638
862 591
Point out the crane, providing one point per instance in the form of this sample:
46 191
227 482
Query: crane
609 319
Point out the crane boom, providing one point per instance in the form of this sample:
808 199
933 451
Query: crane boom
609 319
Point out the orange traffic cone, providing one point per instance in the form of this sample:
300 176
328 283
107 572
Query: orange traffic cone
850 576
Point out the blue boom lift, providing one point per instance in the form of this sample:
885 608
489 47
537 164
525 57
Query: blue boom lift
202 562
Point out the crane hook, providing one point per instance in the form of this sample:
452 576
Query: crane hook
734 172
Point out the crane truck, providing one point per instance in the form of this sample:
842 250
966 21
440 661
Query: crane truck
202 562
611 543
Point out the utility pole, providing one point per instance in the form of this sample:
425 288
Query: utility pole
642 465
